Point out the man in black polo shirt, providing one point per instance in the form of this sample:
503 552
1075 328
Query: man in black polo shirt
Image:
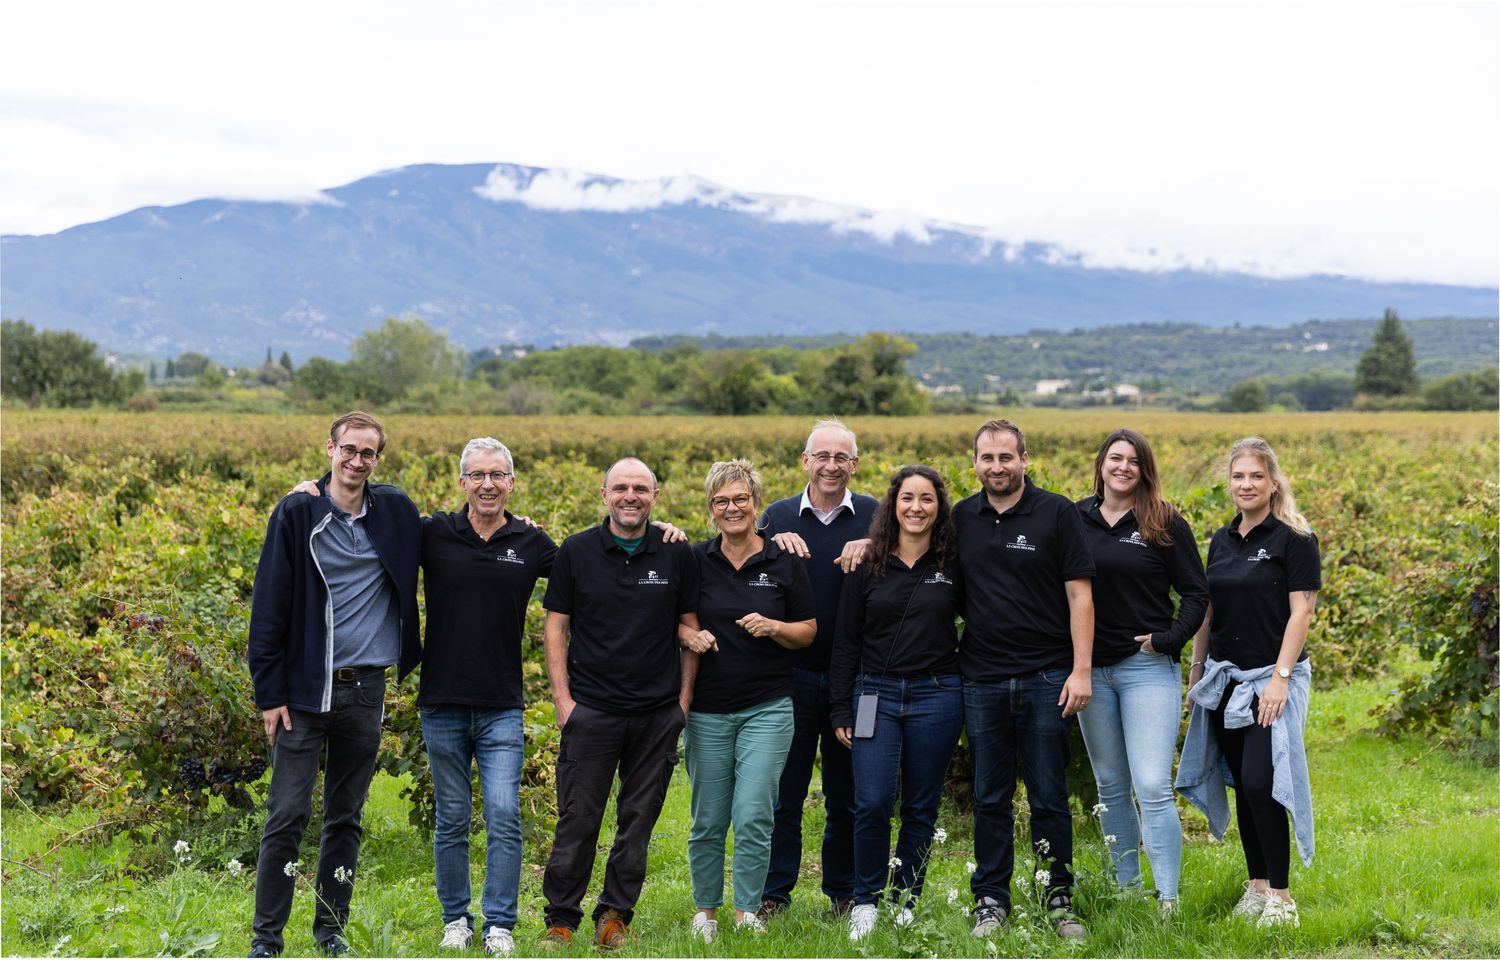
481 564
1025 658
614 600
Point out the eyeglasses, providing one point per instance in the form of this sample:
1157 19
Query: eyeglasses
350 451
842 459
740 500
495 476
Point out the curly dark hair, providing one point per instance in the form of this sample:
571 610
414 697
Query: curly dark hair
885 529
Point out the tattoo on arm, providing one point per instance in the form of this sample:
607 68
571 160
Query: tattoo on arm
1311 597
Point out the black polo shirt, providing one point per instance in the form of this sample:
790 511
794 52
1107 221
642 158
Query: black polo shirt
747 670
899 624
623 654
1249 581
1014 566
1133 580
477 591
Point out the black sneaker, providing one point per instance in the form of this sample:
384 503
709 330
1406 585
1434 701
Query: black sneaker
335 946
258 949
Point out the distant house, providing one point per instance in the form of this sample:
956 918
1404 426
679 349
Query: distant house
1046 388
1127 390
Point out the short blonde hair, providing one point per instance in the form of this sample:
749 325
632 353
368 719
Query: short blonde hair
725 472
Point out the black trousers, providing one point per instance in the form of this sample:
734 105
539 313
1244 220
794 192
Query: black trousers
643 748
351 733
1262 821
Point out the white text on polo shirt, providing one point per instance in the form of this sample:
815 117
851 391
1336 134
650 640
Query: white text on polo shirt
1019 543
1135 540
652 578
764 580
509 556
937 577
1259 556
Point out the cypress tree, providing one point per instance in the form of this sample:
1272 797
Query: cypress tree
1389 367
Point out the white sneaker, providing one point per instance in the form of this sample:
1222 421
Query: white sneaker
498 942
457 934
750 923
705 928
1252 903
862 920
1279 913
905 918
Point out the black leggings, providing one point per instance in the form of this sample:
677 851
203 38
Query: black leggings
1263 821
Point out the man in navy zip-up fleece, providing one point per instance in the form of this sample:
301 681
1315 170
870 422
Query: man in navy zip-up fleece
826 516
335 604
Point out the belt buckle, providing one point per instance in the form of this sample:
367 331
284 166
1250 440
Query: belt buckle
344 675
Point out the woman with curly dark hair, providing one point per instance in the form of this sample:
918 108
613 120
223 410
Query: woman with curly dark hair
897 700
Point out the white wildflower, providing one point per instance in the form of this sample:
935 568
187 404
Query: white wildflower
970 867
1100 809
234 867
940 835
181 848
1044 846
952 896
1110 839
1043 877
343 874
895 862
291 868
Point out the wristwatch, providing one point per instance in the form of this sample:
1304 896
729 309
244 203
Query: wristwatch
1283 672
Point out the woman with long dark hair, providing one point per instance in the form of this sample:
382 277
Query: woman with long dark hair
1251 681
1143 551
897 700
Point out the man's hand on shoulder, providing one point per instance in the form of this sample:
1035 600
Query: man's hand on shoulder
853 554
792 543
309 487
670 533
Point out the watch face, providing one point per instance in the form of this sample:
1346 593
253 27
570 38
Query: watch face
1283 672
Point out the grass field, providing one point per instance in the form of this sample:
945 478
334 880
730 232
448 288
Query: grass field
1408 864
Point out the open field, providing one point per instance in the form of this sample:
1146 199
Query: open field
129 549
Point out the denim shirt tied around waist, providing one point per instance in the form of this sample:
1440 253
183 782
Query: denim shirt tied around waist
1291 785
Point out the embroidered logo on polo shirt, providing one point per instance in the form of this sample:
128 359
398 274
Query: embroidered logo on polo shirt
652 578
764 580
1019 543
937 577
509 556
1260 555
1134 540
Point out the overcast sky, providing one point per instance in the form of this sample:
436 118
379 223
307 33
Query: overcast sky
1351 138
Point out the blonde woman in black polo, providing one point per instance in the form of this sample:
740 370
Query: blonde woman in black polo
1251 681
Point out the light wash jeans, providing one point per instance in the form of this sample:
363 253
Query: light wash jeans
1130 728
457 737
734 762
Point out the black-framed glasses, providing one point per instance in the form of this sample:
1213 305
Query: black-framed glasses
740 500
823 456
350 451
495 476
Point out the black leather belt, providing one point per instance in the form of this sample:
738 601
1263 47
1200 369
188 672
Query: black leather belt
356 674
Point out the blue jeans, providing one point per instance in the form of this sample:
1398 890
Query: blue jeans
811 725
916 728
350 730
457 737
734 762
1130 727
1016 728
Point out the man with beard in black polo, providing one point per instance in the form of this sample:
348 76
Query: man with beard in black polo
622 692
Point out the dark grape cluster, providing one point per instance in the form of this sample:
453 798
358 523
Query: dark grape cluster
196 774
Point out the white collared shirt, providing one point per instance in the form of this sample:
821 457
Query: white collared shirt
826 518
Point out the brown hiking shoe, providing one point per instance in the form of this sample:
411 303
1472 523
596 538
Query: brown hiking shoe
841 907
771 909
610 930
555 938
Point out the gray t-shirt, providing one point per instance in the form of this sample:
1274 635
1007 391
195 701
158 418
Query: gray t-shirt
366 620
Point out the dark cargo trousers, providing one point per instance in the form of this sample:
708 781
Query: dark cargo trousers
643 747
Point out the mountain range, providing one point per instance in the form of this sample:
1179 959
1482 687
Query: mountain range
498 253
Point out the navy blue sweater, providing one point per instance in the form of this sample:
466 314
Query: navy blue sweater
291 662
826 542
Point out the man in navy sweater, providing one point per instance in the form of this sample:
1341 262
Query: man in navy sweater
335 605
826 516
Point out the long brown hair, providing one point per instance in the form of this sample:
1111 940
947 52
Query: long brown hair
1153 515
885 529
